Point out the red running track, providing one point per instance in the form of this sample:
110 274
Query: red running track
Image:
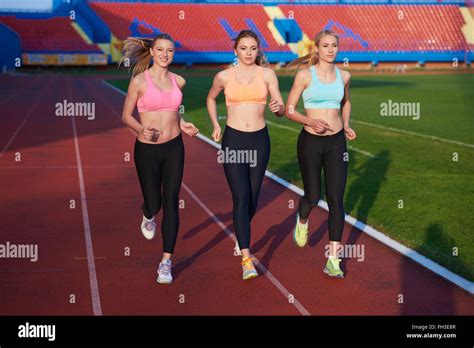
35 209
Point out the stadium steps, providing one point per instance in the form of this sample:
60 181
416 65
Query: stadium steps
468 28
105 47
81 32
274 12
199 30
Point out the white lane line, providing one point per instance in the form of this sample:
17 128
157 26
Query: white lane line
414 133
352 120
366 153
87 229
258 264
377 126
374 233
270 122
118 90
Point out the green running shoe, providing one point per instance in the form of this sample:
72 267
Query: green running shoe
332 268
300 234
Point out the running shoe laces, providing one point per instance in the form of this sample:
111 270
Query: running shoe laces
165 269
247 263
150 225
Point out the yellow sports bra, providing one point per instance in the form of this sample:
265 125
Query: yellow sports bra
254 92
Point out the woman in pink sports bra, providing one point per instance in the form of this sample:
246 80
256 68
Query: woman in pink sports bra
159 150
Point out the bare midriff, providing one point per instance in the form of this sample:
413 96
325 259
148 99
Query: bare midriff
246 117
330 116
167 122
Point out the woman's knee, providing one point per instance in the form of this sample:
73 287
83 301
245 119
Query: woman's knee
335 201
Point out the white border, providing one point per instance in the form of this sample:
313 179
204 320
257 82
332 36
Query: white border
94 284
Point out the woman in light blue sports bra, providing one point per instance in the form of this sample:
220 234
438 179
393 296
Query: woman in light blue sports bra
322 141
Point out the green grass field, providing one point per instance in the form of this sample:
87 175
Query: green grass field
388 165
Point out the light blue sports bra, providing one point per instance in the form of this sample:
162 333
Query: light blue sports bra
320 95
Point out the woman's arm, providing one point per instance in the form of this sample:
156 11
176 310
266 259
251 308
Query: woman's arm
129 106
346 107
346 101
186 127
181 81
216 88
300 83
277 106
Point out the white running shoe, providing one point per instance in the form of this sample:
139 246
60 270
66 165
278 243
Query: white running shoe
148 228
164 272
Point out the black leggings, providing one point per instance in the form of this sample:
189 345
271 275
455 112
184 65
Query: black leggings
244 179
330 153
159 164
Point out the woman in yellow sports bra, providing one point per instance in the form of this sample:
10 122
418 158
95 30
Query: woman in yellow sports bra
322 141
245 146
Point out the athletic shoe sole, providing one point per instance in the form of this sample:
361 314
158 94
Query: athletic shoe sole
251 276
325 270
163 281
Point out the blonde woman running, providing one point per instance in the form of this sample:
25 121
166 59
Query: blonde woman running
159 150
322 141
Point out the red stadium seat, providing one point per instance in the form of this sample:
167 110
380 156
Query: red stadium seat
48 35
423 27
196 26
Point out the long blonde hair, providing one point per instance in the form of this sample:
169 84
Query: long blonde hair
261 58
312 57
136 52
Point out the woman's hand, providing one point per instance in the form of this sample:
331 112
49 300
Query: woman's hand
188 128
319 126
274 106
350 133
216 133
150 134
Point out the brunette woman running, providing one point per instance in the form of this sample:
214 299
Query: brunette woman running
246 86
159 150
322 143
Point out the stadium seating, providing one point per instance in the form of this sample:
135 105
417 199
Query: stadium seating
204 30
385 28
44 35
197 27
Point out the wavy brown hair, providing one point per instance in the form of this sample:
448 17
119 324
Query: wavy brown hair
136 51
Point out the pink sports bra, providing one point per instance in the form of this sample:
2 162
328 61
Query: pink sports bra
154 99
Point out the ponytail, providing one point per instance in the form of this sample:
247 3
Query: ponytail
312 58
261 59
308 60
